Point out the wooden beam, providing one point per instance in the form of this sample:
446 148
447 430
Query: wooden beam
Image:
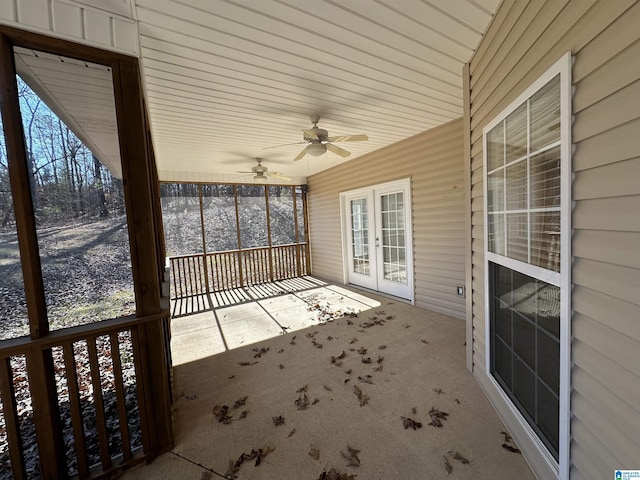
466 140
266 201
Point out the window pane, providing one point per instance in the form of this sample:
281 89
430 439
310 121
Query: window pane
495 191
252 213
544 108
219 211
13 305
517 237
77 191
281 215
181 218
528 310
545 240
516 179
516 133
544 183
360 236
496 241
495 147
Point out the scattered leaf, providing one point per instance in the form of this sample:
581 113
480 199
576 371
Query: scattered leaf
316 344
243 415
315 453
366 360
436 417
510 448
315 400
206 475
424 341
221 413
456 456
378 368
260 351
410 423
277 421
302 389
507 437
245 364
239 403
353 340
362 397
329 338
291 433
348 372
293 340
447 465
362 351
352 457
327 388
281 366
382 347
380 360
333 474
414 410
302 402
231 377
366 379
280 351
457 401
439 391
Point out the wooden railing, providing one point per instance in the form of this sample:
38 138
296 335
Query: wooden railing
102 400
199 274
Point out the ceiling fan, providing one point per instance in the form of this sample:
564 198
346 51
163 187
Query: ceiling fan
261 173
318 141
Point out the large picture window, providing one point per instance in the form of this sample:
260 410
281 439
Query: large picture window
527 174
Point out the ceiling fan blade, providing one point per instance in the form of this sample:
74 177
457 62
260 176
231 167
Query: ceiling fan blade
301 155
284 145
337 150
279 175
238 171
310 134
349 138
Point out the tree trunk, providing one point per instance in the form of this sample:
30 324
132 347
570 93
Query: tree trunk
102 202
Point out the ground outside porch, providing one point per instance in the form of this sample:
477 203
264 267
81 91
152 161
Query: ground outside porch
307 380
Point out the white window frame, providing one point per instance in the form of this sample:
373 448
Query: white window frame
562 279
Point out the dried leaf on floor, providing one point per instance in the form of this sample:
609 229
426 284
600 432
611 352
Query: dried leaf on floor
406 325
316 344
378 368
206 475
352 457
410 423
366 360
280 351
414 410
302 389
239 403
366 379
281 366
348 372
457 401
311 335
333 474
245 364
315 400
243 415
231 377
327 388
439 391
457 456
424 341
291 433
436 417
507 437
390 317
447 465
353 340
293 340
315 453
362 351
380 312
277 421
382 347
221 414
302 402
329 338
260 351
379 360
511 448
346 380
362 397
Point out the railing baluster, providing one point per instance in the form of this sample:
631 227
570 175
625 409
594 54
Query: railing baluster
121 401
11 423
77 423
98 402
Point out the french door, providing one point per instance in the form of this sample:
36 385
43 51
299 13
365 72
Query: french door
377 238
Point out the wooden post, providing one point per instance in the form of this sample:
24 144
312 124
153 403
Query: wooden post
296 232
306 232
266 199
40 363
137 181
204 242
240 272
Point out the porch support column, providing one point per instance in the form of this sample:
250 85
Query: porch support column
466 140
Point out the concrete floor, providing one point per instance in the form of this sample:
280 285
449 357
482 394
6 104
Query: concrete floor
292 341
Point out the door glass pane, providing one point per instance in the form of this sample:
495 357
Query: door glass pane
360 236
13 305
525 347
393 246
76 184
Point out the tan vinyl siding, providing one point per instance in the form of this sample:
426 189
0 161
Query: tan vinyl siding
434 162
523 41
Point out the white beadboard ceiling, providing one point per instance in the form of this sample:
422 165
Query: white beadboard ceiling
225 79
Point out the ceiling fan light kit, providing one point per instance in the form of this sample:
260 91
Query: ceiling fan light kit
316 149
